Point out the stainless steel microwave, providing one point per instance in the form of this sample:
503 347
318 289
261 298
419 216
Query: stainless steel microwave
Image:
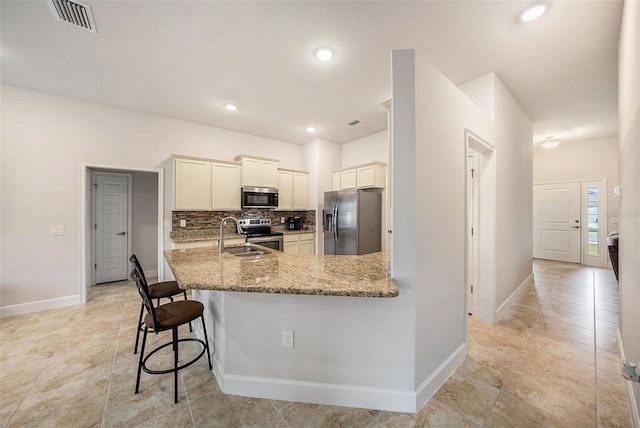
259 197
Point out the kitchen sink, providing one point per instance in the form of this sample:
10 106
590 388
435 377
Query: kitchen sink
246 251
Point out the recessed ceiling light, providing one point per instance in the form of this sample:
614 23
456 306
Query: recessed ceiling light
324 54
311 129
231 107
533 13
549 142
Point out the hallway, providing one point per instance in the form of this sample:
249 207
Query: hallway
551 361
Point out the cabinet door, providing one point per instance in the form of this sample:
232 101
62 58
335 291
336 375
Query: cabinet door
348 179
291 247
365 177
251 172
269 174
307 244
192 185
285 190
336 181
300 190
225 186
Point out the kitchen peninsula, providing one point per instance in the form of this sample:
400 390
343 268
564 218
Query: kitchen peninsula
280 273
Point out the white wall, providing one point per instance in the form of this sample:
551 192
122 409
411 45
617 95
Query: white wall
145 220
585 160
372 148
442 113
320 158
514 150
629 134
513 141
45 139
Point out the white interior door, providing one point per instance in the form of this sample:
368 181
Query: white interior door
111 228
556 222
473 210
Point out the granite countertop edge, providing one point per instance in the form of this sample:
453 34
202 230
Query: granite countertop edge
280 273
214 236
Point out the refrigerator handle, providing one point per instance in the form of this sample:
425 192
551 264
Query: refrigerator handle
335 222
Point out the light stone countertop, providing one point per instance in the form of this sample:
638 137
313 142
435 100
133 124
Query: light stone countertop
277 272
205 236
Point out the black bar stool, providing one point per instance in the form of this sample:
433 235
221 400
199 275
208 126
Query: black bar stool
160 290
165 317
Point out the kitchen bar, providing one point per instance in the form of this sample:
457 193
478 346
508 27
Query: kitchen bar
280 273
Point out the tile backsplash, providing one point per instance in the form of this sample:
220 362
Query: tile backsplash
204 221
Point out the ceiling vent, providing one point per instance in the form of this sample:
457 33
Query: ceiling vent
353 122
74 13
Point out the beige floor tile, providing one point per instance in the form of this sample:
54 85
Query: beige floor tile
178 417
512 411
315 415
607 327
573 308
470 397
550 316
490 364
606 342
219 410
433 414
562 330
565 348
555 385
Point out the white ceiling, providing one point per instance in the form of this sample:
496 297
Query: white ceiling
185 59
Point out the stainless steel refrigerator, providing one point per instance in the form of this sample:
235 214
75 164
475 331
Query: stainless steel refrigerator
352 222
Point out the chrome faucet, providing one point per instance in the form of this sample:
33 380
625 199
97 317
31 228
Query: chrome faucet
221 242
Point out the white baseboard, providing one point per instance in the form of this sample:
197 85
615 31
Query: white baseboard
431 385
631 398
41 305
506 305
387 399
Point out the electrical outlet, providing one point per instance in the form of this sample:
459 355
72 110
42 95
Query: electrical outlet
56 230
281 219
183 223
287 338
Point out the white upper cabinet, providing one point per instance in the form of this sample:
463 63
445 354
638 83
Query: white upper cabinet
367 176
370 176
225 187
300 190
285 189
293 189
192 184
202 184
258 172
348 179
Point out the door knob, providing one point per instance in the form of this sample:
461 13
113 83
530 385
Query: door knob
575 227
121 233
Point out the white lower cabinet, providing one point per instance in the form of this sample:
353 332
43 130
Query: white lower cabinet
300 243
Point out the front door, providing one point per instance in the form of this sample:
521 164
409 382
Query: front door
111 227
556 222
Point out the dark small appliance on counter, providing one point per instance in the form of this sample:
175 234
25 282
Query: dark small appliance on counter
293 223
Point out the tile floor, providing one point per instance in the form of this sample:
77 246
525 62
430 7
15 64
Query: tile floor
551 362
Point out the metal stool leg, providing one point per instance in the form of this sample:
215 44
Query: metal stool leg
144 341
174 333
206 341
135 349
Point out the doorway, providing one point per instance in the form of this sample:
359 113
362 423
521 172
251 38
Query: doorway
481 230
144 233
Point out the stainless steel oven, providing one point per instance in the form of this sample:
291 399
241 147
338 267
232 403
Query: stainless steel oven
274 241
258 231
